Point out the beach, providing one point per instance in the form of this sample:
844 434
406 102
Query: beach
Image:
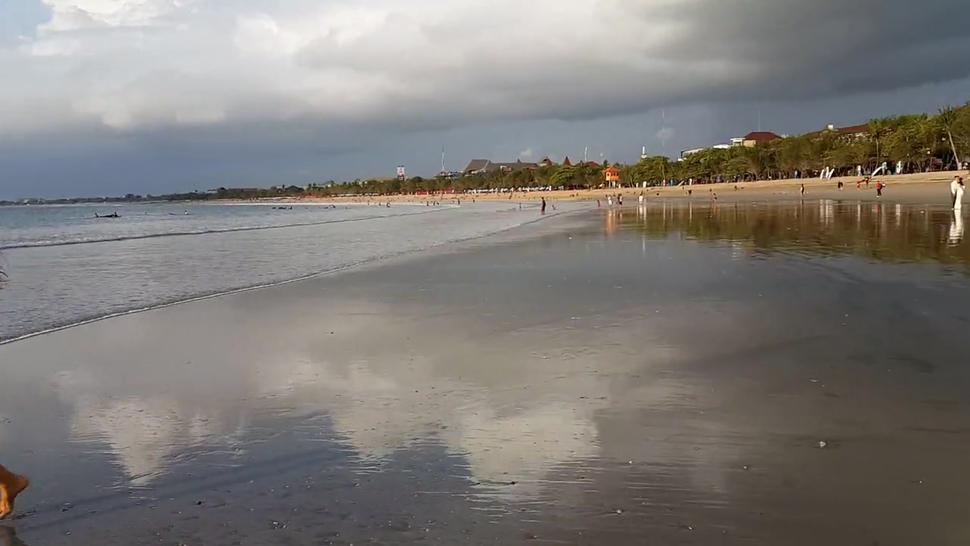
686 373
916 189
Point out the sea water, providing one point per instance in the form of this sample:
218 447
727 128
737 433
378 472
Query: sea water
64 265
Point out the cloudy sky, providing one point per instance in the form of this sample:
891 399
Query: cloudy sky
112 96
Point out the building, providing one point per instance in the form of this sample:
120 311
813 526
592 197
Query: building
687 153
483 166
850 132
737 142
612 175
546 162
853 131
758 138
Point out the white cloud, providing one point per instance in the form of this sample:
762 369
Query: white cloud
68 15
132 64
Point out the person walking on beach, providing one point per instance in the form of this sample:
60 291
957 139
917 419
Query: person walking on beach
11 485
543 205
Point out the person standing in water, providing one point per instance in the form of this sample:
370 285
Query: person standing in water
879 187
802 190
11 485
958 194
954 184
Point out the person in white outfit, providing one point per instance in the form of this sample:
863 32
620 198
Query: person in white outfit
956 188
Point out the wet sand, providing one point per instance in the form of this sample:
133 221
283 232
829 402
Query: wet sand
660 376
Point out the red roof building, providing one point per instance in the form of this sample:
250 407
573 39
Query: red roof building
759 137
612 175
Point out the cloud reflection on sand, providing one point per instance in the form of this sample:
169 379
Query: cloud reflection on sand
494 407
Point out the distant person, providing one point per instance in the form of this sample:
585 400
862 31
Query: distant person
715 196
619 199
956 192
802 190
879 187
840 185
641 198
11 485
543 205
609 200
689 193
598 205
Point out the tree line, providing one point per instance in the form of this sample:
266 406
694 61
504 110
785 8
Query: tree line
920 142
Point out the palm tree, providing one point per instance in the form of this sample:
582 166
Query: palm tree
878 129
948 117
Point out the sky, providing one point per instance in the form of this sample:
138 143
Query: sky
106 97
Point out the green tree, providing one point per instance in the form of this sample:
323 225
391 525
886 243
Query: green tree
563 176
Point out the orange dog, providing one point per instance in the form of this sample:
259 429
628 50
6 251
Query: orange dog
11 485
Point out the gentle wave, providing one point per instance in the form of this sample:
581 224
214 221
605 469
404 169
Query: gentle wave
69 242
205 296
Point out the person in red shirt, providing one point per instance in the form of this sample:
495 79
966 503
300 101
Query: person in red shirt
879 187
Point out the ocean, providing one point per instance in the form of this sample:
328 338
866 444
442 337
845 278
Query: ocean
64 265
